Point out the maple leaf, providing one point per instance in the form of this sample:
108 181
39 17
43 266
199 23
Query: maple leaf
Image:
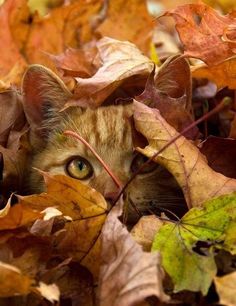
189 167
121 60
70 26
133 23
222 74
84 211
122 281
200 229
204 33
225 287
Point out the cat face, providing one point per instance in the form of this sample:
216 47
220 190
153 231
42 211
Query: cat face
107 130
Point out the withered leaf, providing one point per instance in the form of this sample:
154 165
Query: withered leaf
84 211
144 231
128 275
120 61
205 34
222 74
170 92
13 16
133 23
197 180
225 287
220 153
13 281
70 26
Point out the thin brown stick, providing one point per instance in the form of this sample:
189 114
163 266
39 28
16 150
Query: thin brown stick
105 166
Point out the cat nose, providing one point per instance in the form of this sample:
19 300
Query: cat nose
111 196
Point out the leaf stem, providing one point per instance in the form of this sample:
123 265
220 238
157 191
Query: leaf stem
105 166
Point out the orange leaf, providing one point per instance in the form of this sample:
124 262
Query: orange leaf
204 33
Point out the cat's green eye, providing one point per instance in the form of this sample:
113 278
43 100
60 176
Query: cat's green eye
139 160
79 168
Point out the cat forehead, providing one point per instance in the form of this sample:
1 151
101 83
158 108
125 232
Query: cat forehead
107 126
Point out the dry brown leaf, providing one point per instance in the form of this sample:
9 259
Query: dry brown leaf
204 33
19 216
50 292
13 281
197 180
170 92
145 230
128 20
128 275
84 211
66 26
75 62
13 31
225 287
121 61
222 74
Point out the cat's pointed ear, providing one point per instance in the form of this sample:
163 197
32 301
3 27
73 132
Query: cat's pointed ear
42 90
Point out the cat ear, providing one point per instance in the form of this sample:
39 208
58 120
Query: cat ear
42 90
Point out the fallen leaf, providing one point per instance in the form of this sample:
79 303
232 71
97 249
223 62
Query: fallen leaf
186 247
222 74
145 230
128 275
75 62
13 24
18 216
182 159
50 292
225 287
70 25
121 60
84 211
204 33
133 23
13 281
170 92
220 153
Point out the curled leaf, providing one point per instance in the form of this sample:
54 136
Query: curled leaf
189 167
128 275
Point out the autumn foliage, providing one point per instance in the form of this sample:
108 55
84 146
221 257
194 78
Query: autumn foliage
68 246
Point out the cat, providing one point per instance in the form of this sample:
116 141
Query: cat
108 130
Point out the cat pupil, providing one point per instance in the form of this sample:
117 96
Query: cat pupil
81 165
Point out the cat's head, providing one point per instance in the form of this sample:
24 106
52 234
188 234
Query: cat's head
108 131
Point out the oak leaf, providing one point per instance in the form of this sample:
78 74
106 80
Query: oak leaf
205 34
187 246
189 167
128 275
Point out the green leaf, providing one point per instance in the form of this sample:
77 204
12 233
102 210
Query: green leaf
203 229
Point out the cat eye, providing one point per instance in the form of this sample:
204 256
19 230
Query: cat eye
79 168
139 160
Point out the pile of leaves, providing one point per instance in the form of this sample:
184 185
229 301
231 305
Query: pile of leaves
67 246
